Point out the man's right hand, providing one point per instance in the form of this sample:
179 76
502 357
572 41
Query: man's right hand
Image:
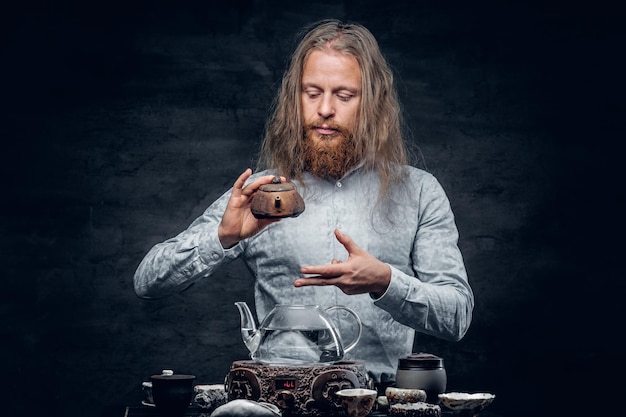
238 222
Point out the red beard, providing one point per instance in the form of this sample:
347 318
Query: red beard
329 156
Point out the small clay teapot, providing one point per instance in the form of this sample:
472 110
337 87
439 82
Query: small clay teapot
276 200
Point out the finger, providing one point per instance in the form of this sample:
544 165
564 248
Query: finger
347 242
268 179
314 281
326 271
239 183
253 186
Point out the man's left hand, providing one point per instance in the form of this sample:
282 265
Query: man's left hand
361 273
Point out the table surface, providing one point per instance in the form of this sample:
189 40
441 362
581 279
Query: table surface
144 411
194 411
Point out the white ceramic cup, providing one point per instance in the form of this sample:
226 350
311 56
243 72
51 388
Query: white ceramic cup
210 396
357 402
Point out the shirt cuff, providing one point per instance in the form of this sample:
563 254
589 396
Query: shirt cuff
399 287
210 248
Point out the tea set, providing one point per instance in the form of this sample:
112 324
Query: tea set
297 369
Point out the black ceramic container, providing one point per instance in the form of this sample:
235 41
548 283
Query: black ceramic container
423 371
172 394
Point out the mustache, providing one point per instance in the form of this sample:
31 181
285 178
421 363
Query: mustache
331 125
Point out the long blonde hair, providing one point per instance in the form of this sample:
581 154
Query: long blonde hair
378 134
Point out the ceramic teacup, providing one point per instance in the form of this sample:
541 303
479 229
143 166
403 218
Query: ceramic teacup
420 408
357 402
210 396
172 394
404 395
466 404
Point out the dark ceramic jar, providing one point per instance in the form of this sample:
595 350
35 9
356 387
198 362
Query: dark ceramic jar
172 393
423 371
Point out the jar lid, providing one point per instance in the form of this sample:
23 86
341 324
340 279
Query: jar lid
420 361
170 375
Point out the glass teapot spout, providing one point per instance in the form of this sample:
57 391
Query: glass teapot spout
249 331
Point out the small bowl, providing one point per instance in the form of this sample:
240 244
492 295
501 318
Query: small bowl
210 396
404 395
417 409
357 402
466 404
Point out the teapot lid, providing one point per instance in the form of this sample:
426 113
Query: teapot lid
169 374
277 185
420 361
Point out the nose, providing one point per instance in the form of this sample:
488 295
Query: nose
326 108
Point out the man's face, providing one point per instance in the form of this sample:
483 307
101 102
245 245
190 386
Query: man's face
331 94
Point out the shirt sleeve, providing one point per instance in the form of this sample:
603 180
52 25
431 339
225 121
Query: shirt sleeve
195 253
437 298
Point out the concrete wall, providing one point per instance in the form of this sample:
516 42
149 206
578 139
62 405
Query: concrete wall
122 121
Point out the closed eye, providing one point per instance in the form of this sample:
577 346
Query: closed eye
312 92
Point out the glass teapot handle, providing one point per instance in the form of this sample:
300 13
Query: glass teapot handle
348 346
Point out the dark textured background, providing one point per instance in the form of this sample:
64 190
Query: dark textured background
122 121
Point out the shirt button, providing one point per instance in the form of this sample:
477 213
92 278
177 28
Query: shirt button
215 256
338 184
339 226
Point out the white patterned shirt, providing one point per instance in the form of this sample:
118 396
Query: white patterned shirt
429 290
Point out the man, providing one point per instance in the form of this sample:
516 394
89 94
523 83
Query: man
377 235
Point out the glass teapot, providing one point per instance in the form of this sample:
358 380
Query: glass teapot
297 335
